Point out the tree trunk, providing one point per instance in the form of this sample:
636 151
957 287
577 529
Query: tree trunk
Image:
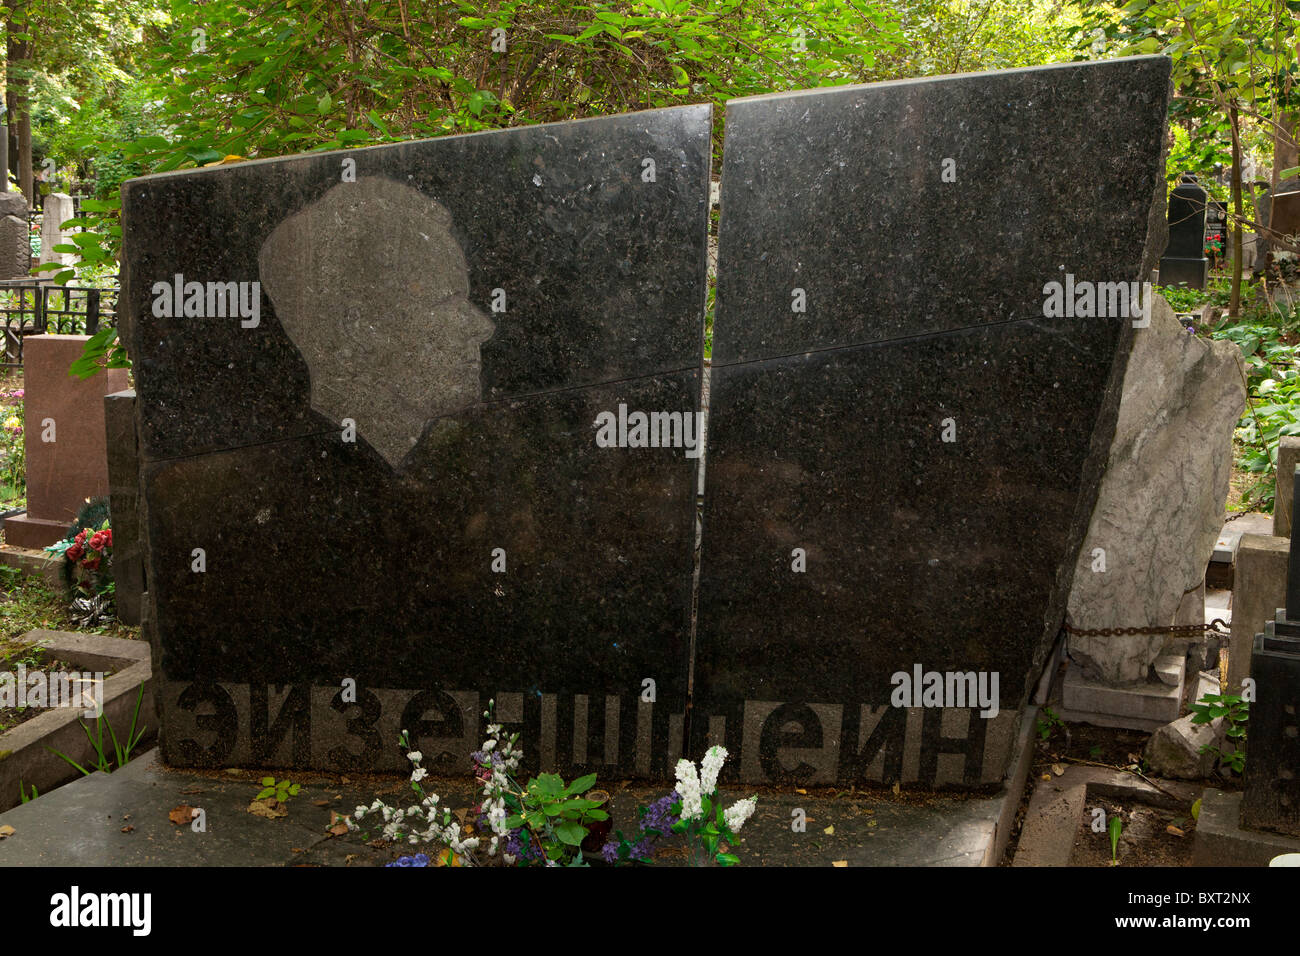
17 83
1234 304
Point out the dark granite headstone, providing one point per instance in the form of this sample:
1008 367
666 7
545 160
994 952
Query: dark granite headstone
123 476
367 383
906 435
1184 261
1216 224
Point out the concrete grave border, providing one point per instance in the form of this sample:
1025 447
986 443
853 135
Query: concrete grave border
22 749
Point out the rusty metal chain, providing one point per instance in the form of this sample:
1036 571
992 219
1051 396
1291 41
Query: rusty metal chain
1217 626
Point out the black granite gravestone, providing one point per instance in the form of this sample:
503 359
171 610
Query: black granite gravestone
372 492
372 389
908 416
1271 796
1216 220
1184 261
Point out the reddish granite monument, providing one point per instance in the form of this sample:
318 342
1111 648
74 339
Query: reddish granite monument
63 473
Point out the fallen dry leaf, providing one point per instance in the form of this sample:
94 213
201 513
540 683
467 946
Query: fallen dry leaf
798 790
181 815
830 830
1174 830
1046 776
339 829
190 791
1058 768
128 828
897 789
6 830
268 808
347 860
320 803
839 863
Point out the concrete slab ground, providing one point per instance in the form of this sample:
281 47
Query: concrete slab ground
1221 840
1057 807
122 820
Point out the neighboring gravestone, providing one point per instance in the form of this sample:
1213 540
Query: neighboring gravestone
15 244
909 417
1216 225
1285 216
1271 795
58 209
1184 261
63 438
373 493
1160 508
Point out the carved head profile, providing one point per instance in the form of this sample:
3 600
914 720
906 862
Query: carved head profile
371 285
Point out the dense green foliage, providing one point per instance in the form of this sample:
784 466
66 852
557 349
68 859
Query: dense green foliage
125 87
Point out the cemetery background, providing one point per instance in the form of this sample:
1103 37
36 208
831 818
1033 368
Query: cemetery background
1262 326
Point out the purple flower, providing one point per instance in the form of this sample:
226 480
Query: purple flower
418 860
659 816
610 852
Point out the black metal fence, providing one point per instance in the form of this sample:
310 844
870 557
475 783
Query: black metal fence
29 308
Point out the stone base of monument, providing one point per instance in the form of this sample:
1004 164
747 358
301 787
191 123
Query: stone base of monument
31 561
24 531
1137 706
82 823
24 756
1193 273
1221 840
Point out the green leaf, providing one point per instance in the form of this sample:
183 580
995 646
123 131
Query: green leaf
728 859
266 781
582 784
571 833
202 155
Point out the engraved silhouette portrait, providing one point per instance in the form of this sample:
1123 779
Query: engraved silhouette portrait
372 287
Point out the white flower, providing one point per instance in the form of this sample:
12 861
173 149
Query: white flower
740 811
709 767
415 756
488 745
418 774
688 787
361 812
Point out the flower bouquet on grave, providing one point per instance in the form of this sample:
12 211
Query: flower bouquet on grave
541 823
87 559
